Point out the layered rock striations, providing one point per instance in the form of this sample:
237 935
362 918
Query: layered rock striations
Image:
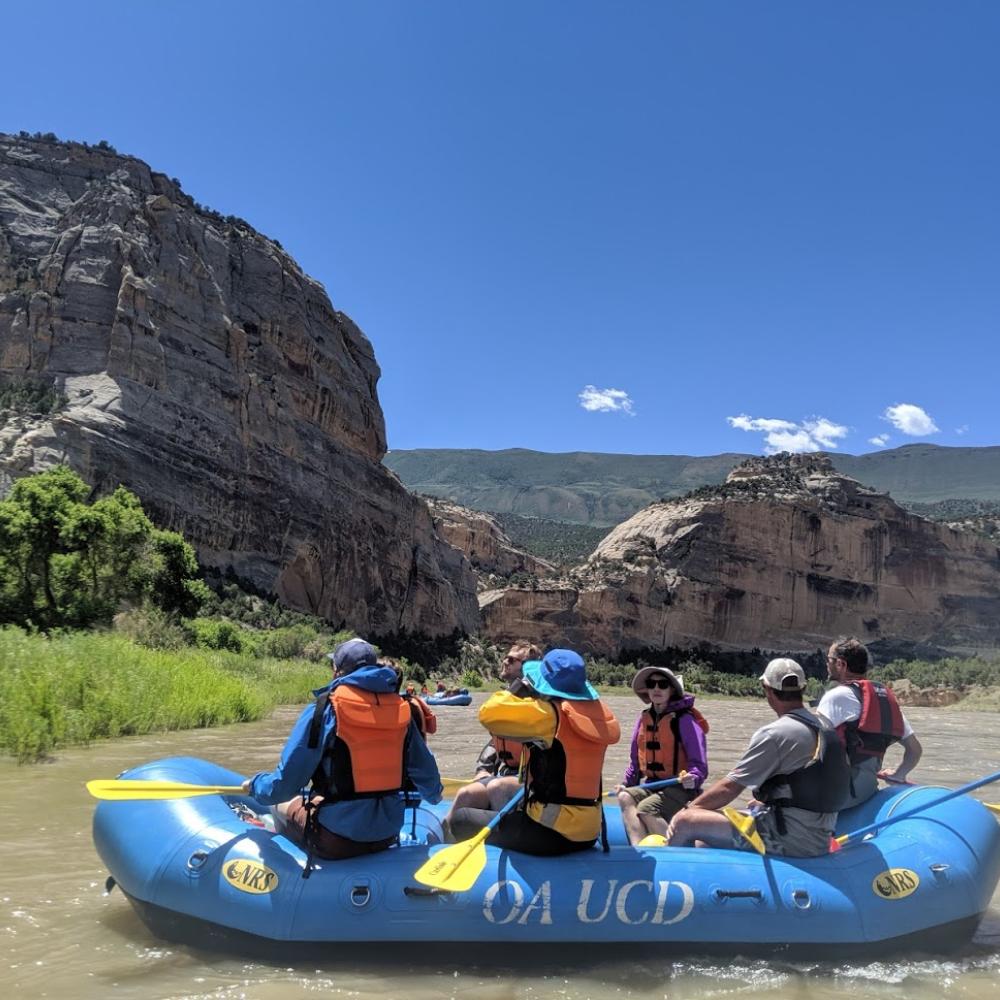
484 543
204 370
787 554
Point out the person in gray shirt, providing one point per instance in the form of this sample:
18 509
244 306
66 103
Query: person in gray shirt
797 769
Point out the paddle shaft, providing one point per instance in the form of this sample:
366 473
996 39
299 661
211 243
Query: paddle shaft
654 785
506 809
881 824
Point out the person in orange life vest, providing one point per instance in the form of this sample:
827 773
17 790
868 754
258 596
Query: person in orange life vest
421 712
568 730
347 789
669 738
868 718
496 779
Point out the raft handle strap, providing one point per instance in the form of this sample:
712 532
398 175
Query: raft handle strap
738 894
421 890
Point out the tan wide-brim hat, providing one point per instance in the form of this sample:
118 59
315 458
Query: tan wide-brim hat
639 681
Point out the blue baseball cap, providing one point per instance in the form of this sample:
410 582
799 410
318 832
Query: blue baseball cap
352 655
560 673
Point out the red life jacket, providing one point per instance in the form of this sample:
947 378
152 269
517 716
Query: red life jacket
660 747
879 725
368 747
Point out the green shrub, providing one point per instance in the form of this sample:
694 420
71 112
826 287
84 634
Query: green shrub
149 626
213 633
287 643
472 679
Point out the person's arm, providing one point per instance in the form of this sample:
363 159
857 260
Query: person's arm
693 741
912 752
421 767
631 776
718 795
297 764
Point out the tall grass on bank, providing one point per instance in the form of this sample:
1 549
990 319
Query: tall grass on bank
76 687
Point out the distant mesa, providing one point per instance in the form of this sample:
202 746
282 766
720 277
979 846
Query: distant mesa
786 554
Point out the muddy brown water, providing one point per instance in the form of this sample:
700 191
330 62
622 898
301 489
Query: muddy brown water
61 936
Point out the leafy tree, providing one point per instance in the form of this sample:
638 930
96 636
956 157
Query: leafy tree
67 563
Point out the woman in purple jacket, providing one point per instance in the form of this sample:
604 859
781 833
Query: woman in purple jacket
668 741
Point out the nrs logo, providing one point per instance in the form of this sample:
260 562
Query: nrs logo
896 883
250 876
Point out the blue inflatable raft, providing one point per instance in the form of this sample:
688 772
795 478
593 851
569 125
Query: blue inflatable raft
195 871
462 698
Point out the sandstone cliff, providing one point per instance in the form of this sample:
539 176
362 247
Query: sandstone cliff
484 543
785 555
207 373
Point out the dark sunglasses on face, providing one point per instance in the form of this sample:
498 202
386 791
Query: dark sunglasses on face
512 659
663 684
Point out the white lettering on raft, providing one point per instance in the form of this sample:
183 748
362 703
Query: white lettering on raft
542 900
504 902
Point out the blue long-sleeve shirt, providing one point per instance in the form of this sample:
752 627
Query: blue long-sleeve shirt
357 819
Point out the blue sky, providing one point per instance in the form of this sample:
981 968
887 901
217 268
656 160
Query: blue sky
648 227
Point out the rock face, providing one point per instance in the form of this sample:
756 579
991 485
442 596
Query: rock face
785 555
211 376
484 543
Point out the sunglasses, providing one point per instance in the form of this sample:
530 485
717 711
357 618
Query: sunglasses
512 659
662 684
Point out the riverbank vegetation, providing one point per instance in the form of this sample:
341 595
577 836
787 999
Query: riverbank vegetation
70 689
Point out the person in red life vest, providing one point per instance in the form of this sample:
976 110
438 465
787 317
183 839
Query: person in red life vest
799 774
868 718
496 779
568 730
347 760
668 740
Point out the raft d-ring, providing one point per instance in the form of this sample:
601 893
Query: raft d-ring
196 860
801 899
360 895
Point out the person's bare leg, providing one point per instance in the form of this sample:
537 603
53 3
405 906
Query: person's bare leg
630 818
653 824
501 791
472 796
690 826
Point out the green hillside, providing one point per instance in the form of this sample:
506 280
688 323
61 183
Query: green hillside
604 489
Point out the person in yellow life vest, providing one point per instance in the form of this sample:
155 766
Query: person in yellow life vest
568 730
668 740
497 776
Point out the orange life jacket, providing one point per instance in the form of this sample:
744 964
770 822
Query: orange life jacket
564 779
509 752
368 747
425 719
660 747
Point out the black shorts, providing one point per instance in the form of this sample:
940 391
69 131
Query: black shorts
515 832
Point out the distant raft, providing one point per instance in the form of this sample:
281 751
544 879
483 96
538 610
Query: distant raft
462 698
196 872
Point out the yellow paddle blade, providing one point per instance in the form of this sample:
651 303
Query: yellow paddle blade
992 807
452 785
457 866
746 827
127 788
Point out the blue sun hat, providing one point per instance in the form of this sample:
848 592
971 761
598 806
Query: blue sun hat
560 673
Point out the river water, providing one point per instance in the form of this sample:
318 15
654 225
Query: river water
62 936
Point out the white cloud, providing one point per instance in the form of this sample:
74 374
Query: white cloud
880 440
910 419
606 400
813 434
964 429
